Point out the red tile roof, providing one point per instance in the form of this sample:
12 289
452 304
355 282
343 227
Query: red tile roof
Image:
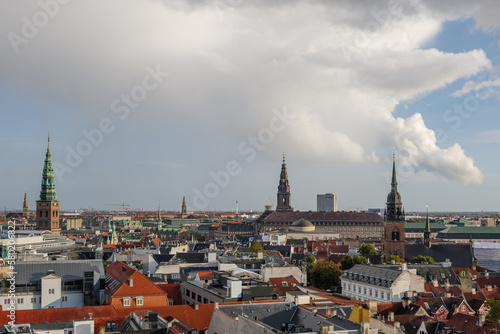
186 314
173 291
205 275
290 281
468 323
101 313
119 284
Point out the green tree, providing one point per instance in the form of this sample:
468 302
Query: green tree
367 249
325 274
396 259
423 259
358 259
494 309
347 262
256 247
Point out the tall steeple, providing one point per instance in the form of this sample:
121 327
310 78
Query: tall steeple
284 190
394 234
394 210
48 192
160 223
25 205
427 231
184 208
47 207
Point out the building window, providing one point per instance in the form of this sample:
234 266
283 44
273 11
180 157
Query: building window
193 295
463 308
170 301
65 298
20 300
126 301
140 301
205 301
187 292
110 326
199 299
52 291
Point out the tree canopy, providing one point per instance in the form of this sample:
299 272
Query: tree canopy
367 249
494 309
325 274
256 247
423 259
347 262
396 259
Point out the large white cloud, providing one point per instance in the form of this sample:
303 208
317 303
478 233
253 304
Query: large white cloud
340 67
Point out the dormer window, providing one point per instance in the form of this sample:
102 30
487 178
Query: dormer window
126 301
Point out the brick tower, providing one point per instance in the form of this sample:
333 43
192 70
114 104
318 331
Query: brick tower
394 235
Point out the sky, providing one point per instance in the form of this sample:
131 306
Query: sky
153 100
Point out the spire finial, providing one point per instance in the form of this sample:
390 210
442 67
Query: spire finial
283 158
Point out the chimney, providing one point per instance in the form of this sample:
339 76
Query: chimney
448 295
405 302
334 312
90 315
489 288
435 283
404 266
473 291
390 317
372 306
102 330
393 262
396 324
314 310
131 282
196 306
237 318
328 312
486 274
482 319
447 284
474 264
216 305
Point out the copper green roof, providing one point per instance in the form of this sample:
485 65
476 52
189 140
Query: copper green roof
48 192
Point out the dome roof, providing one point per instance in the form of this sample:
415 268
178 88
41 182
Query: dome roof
302 222
303 225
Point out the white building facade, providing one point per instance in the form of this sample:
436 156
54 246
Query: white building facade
367 282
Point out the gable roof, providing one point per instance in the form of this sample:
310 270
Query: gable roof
122 280
173 291
289 280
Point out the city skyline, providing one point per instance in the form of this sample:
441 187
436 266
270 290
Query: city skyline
202 99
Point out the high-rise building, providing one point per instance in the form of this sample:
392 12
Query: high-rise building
283 190
394 236
327 202
47 207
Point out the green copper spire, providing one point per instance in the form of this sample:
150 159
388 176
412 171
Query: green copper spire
48 192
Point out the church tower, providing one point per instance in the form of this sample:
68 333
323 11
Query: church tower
427 231
47 207
394 236
25 205
283 190
184 214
